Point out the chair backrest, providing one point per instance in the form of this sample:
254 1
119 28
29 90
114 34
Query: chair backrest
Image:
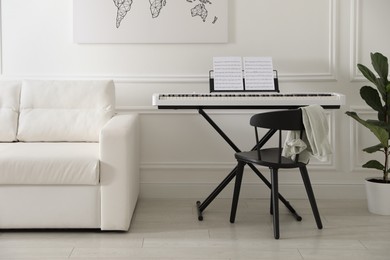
280 120
288 120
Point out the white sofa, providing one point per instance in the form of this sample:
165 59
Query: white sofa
66 159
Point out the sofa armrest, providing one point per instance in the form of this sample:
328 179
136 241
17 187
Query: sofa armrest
119 171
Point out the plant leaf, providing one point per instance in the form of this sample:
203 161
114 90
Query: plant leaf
373 149
374 164
380 64
371 96
388 95
379 123
367 73
380 83
379 131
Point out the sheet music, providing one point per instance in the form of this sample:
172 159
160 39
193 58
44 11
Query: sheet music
228 74
258 73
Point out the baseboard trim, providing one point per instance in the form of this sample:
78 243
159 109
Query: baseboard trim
200 191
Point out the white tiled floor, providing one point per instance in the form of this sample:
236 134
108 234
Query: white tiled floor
169 229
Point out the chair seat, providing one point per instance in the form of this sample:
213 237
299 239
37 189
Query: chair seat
269 158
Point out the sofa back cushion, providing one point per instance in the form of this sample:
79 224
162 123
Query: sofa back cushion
9 110
64 110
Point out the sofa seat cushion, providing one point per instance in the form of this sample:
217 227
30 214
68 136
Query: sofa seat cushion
49 163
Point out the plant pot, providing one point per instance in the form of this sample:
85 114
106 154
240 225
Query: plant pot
378 195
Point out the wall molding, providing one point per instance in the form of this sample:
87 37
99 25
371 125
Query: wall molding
152 111
355 164
1 40
329 76
166 79
355 40
215 166
333 19
354 46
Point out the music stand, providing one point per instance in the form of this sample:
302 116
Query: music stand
276 85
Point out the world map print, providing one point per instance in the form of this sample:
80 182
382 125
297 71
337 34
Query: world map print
151 21
198 9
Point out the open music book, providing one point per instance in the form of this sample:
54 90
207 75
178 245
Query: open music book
247 74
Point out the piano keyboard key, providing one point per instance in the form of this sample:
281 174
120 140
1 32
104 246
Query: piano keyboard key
246 100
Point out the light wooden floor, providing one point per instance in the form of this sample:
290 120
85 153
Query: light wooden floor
169 229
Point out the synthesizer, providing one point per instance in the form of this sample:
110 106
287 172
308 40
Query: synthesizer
247 100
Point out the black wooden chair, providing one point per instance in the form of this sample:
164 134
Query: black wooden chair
277 121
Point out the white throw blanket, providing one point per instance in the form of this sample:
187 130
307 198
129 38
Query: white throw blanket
314 142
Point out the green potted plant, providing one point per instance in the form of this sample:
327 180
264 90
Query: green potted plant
378 99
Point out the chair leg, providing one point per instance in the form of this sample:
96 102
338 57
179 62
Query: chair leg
310 194
275 201
237 187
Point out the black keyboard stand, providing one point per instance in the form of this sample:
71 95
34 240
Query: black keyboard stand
201 206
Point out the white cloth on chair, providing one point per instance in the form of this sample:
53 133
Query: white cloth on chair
315 142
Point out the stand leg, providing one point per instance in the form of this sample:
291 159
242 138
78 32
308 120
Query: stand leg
219 130
202 206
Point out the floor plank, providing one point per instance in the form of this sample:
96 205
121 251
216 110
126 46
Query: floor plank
169 229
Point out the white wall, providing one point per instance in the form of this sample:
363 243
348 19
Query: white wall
315 45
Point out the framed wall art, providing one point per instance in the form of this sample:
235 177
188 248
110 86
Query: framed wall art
150 21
